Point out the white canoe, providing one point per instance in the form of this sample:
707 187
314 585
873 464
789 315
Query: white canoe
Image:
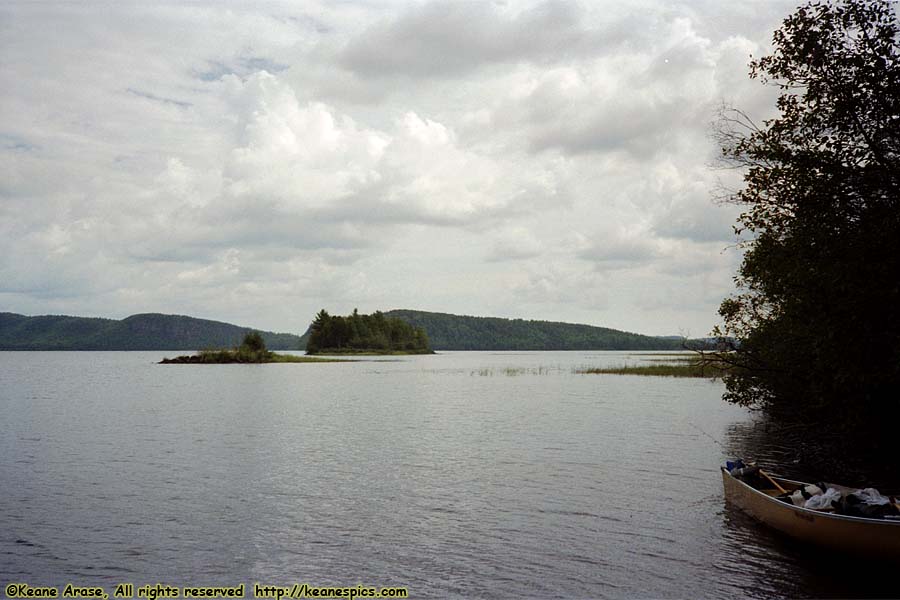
879 538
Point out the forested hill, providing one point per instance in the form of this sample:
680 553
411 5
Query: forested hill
137 332
455 332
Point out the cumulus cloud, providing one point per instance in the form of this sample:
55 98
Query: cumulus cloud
528 159
443 38
640 102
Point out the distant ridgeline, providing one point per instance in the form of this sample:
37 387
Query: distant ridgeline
137 332
393 331
357 334
455 332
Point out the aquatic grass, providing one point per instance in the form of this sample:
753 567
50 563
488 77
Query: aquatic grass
351 352
709 369
293 358
684 354
514 371
217 357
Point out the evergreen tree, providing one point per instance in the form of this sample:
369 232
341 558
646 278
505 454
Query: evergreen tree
364 333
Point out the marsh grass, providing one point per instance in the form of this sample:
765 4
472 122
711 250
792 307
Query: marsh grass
292 358
514 371
686 366
674 359
239 355
670 355
337 352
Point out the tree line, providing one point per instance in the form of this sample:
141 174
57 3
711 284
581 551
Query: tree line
460 332
358 333
817 307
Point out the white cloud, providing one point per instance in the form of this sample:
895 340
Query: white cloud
442 38
531 159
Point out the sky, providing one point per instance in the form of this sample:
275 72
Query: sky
255 162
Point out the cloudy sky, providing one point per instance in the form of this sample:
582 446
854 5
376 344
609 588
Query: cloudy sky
255 162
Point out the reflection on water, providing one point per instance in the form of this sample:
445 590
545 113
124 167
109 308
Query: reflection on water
768 564
527 481
812 454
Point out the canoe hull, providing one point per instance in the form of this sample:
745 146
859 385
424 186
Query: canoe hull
872 537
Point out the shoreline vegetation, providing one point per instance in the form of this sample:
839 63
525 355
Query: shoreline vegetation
816 300
251 351
351 352
707 366
221 357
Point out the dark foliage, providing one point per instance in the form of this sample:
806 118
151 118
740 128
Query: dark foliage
819 287
456 332
365 333
253 343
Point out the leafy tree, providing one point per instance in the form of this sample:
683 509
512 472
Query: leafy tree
253 342
816 311
253 348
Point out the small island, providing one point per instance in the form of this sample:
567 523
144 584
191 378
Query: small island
365 334
251 351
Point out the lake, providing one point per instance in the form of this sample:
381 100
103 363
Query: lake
463 474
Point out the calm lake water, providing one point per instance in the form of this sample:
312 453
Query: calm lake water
466 474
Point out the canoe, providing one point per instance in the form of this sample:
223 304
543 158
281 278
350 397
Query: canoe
878 538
